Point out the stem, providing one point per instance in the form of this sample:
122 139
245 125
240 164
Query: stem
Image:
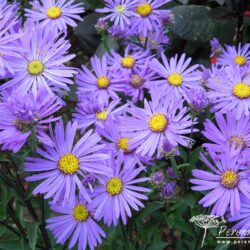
204 236
16 221
10 228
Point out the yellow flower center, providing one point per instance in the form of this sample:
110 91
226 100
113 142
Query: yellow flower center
158 123
102 82
240 60
241 90
122 143
54 12
144 9
143 39
80 213
136 81
102 115
68 164
35 67
114 186
128 62
237 140
175 79
229 179
120 9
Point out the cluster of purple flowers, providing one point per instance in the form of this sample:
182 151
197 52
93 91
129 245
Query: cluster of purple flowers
228 85
134 107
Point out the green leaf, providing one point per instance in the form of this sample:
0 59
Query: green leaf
201 23
87 34
108 43
32 234
194 157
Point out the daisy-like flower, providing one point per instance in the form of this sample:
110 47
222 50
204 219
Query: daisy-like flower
8 50
229 89
55 14
140 82
119 145
149 16
225 185
102 83
116 194
64 166
178 77
120 12
20 113
232 55
230 131
90 111
8 11
243 219
129 62
159 119
42 62
75 224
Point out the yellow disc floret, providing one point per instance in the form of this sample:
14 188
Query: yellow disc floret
240 60
144 9
102 82
54 12
120 9
175 79
122 143
229 179
102 115
68 164
128 62
136 81
241 90
237 140
35 67
114 186
158 123
80 213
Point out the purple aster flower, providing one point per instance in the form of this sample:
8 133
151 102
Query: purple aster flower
178 77
102 83
117 193
167 18
20 113
90 111
168 189
75 224
168 149
117 32
89 180
119 145
63 166
229 132
159 119
215 46
129 62
8 11
120 12
235 56
139 82
55 14
149 15
243 219
230 90
170 172
42 63
8 50
225 185
101 25
157 177
197 99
